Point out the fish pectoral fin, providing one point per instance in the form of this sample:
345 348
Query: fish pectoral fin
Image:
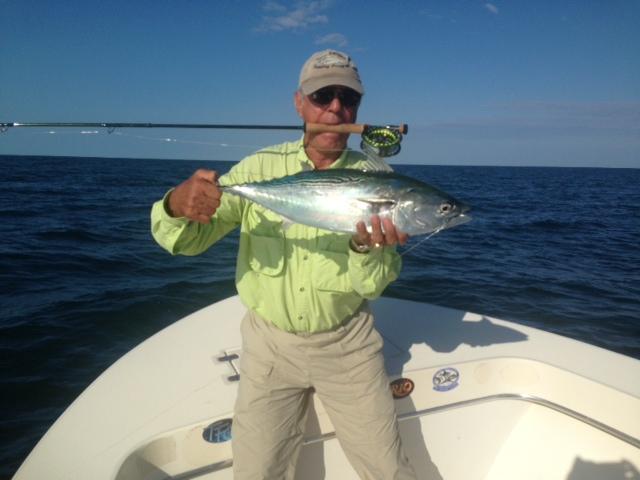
378 201
378 205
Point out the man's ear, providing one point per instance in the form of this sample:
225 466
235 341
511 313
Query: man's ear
297 101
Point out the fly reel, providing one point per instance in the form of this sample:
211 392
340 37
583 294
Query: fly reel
381 141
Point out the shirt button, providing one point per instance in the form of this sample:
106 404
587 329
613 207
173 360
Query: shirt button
306 257
299 317
302 289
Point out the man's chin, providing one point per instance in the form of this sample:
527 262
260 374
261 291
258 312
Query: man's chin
330 141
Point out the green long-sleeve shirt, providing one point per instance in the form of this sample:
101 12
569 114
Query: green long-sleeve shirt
302 279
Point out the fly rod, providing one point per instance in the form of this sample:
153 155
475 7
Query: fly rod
383 141
307 127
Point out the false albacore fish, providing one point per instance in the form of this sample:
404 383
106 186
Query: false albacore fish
337 199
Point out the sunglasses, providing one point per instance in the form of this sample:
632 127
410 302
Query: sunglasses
323 97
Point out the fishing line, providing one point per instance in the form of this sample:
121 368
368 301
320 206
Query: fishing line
153 138
181 141
438 230
253 147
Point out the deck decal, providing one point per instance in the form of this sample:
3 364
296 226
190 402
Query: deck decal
218 432
401 387
446 379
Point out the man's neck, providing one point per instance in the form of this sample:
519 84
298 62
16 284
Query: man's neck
322 159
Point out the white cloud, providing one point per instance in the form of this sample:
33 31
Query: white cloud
271 6
303 14
333 39
492 8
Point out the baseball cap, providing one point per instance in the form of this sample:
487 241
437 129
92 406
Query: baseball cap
329 67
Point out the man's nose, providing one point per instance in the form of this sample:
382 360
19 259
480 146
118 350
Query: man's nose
335 105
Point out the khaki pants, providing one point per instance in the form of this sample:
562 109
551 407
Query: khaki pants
346 369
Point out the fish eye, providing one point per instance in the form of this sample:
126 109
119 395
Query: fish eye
445 208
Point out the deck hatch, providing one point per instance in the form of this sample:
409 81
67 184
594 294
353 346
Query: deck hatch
218 432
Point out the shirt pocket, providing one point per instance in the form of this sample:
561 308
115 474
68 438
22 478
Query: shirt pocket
331 272
267 254
266 241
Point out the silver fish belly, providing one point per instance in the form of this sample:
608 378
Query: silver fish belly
337 199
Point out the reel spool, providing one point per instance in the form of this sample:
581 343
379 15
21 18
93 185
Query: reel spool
381 141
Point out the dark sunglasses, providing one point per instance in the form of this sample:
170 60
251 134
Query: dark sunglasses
323 97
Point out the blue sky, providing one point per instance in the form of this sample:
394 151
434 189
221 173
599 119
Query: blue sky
480 83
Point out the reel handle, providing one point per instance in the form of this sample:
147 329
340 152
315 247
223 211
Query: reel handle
358 128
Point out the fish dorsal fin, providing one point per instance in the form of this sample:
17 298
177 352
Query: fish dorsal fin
373 163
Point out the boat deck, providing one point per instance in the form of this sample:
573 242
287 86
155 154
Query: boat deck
492 400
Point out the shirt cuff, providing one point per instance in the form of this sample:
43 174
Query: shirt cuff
363 259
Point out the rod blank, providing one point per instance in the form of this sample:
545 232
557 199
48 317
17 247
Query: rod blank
309 127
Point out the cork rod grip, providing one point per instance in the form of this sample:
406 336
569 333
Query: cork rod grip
342 128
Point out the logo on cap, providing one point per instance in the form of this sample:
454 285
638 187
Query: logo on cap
332 59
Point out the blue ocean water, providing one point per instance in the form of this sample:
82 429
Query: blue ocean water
82 281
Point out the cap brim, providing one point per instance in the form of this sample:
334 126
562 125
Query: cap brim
314 84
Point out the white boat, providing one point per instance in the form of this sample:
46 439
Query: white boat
492 400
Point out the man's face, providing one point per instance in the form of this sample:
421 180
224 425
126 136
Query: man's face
331 105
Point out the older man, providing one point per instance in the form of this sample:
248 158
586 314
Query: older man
308 326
